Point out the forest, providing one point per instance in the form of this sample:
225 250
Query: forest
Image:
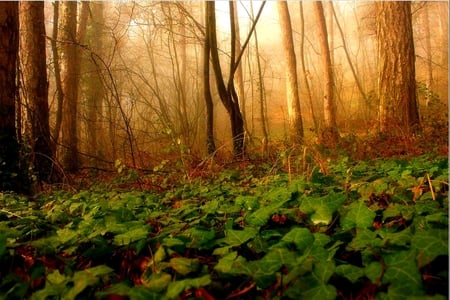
224 150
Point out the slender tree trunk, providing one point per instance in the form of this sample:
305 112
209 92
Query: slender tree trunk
95 90
239 77
70 87
261 92
399 113
57 69
11 177
210 144
292 95
429 80
347 55
227 93
330 132
35 85
305 73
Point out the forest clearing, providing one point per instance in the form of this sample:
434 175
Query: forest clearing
224 150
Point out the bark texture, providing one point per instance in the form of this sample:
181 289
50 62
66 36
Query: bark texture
292 95
398 110
35 85
10 178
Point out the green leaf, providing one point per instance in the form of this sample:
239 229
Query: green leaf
365 238
261 216
430 244
184 265
352 273
239 237
402 273
133 235
321 209
157 282
276 258
177 287
373 271
358 216
301 237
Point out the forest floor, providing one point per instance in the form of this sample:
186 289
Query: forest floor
309 224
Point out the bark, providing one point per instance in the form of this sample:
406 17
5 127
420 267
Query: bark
95 92
292 95
10 173
35 85
210 144
57 70
70 79
329 131
227 92
398 112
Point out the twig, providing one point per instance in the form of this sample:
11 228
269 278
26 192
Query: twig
431 187
10 213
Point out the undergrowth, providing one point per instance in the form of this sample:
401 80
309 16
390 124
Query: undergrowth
372 229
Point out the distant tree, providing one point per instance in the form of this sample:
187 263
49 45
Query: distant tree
292 94
399 113
35 85
95 89
329 132
10 172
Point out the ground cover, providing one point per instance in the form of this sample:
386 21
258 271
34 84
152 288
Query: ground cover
364 230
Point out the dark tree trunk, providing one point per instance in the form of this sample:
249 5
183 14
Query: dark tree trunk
11 177
210 144
398 112
35 85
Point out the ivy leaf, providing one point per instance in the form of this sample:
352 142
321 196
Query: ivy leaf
301 237
261 216
239 237
358 216
352 273
133 235
177 287
157 282
184 265
430 244
321 209
402 273
276 258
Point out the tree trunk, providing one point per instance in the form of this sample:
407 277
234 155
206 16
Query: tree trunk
210 144
329 132
35 85
10 173
57 70
95 90
305 73
261 92
292 95
398 113
227 93
70 157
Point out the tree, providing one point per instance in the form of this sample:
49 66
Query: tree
398 112
10 172
35 85
293 99
70 157
227 92
210 144
329 131
95 89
